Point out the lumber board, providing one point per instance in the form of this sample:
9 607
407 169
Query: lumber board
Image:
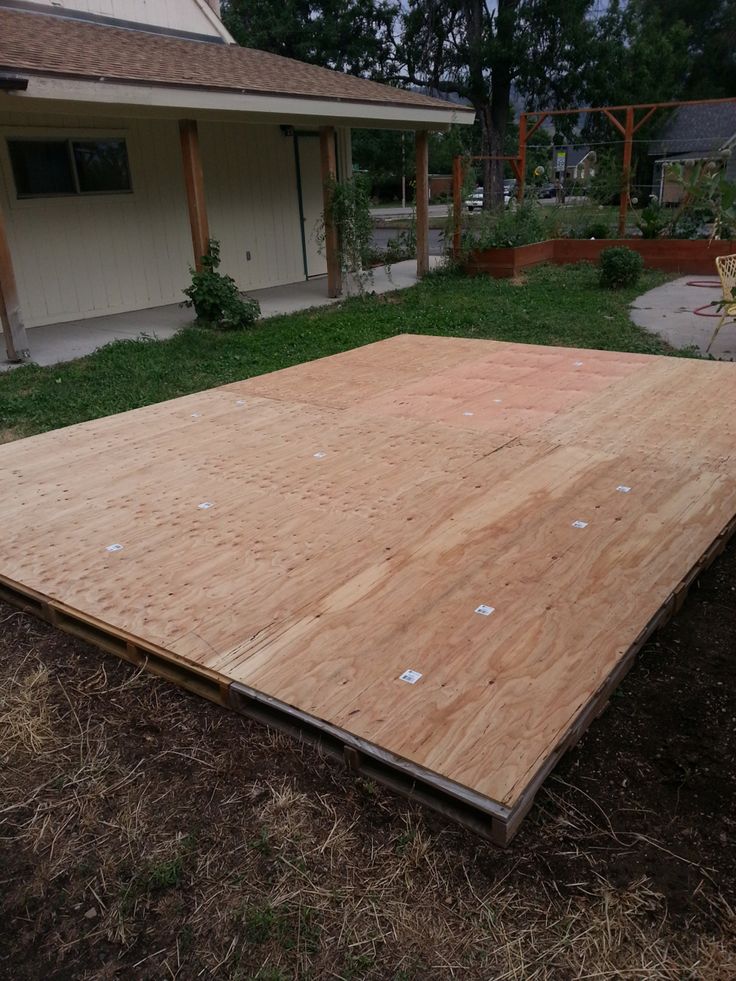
358 511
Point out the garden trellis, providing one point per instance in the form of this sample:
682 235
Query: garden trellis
623 118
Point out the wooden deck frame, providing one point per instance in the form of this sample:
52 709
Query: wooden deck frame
479 814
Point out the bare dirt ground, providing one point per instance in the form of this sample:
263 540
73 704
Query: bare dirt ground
147 834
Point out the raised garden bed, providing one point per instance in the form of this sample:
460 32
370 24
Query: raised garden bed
668 254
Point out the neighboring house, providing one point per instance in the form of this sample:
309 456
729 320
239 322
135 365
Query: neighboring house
693 134
579 164
132 130
440 184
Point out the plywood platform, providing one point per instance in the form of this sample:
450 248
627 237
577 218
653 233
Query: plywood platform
293 544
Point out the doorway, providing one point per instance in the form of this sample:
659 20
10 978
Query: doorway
309 188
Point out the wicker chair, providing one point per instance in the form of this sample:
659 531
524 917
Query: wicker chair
726 266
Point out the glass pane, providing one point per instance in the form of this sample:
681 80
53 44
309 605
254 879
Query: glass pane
41 167
102 165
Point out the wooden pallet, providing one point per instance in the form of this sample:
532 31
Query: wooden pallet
362 506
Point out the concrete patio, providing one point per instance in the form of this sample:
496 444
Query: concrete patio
54 343
669 311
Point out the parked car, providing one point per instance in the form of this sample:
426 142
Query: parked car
547 191
475 201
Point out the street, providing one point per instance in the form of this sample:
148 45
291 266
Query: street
382 236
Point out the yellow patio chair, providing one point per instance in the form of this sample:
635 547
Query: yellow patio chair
726 266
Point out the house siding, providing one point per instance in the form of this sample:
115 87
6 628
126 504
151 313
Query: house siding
178 15
252 202
77 257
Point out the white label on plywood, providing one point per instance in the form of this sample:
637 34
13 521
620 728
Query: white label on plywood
196 415
320 455
468 413
580 524
205 505
411 677
240 402
623 489
117 547
578 364
485 611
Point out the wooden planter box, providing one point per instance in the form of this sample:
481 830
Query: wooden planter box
505 263
668 254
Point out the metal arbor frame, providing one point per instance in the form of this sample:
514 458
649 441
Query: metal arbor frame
529 122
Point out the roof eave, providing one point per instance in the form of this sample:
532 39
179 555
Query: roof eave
56 87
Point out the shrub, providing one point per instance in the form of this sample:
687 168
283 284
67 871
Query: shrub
350 210
521 225
216 299
620 267
402 246
598 229
653 219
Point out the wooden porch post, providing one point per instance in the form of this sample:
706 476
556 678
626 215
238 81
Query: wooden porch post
457 204
328 163
194 181
422 201
14 332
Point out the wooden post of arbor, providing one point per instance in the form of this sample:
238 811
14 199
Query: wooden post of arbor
626 171
457 203
194 182
14 332
328 163
521 172
422 201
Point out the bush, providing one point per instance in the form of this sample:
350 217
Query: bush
598 229
402 246
653 219
216 299
350 210
521 225
620 267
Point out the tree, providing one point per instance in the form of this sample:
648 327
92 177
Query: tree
479 49
640 53
710 69
637 55
353 36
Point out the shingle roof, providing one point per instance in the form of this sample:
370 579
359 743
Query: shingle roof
575 154
53 45
698 129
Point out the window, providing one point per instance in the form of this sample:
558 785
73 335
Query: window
53 167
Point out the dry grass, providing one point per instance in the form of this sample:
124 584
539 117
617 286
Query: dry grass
148 834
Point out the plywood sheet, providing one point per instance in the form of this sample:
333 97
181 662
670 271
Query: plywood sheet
359 509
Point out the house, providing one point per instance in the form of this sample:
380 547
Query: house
691 135
133 130
579 164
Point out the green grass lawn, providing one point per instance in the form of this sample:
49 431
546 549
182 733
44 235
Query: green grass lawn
554 305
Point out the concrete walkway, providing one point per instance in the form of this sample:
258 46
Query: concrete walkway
669 311
64 342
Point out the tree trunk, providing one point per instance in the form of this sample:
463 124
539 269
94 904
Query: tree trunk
501 73
484 115
492 107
